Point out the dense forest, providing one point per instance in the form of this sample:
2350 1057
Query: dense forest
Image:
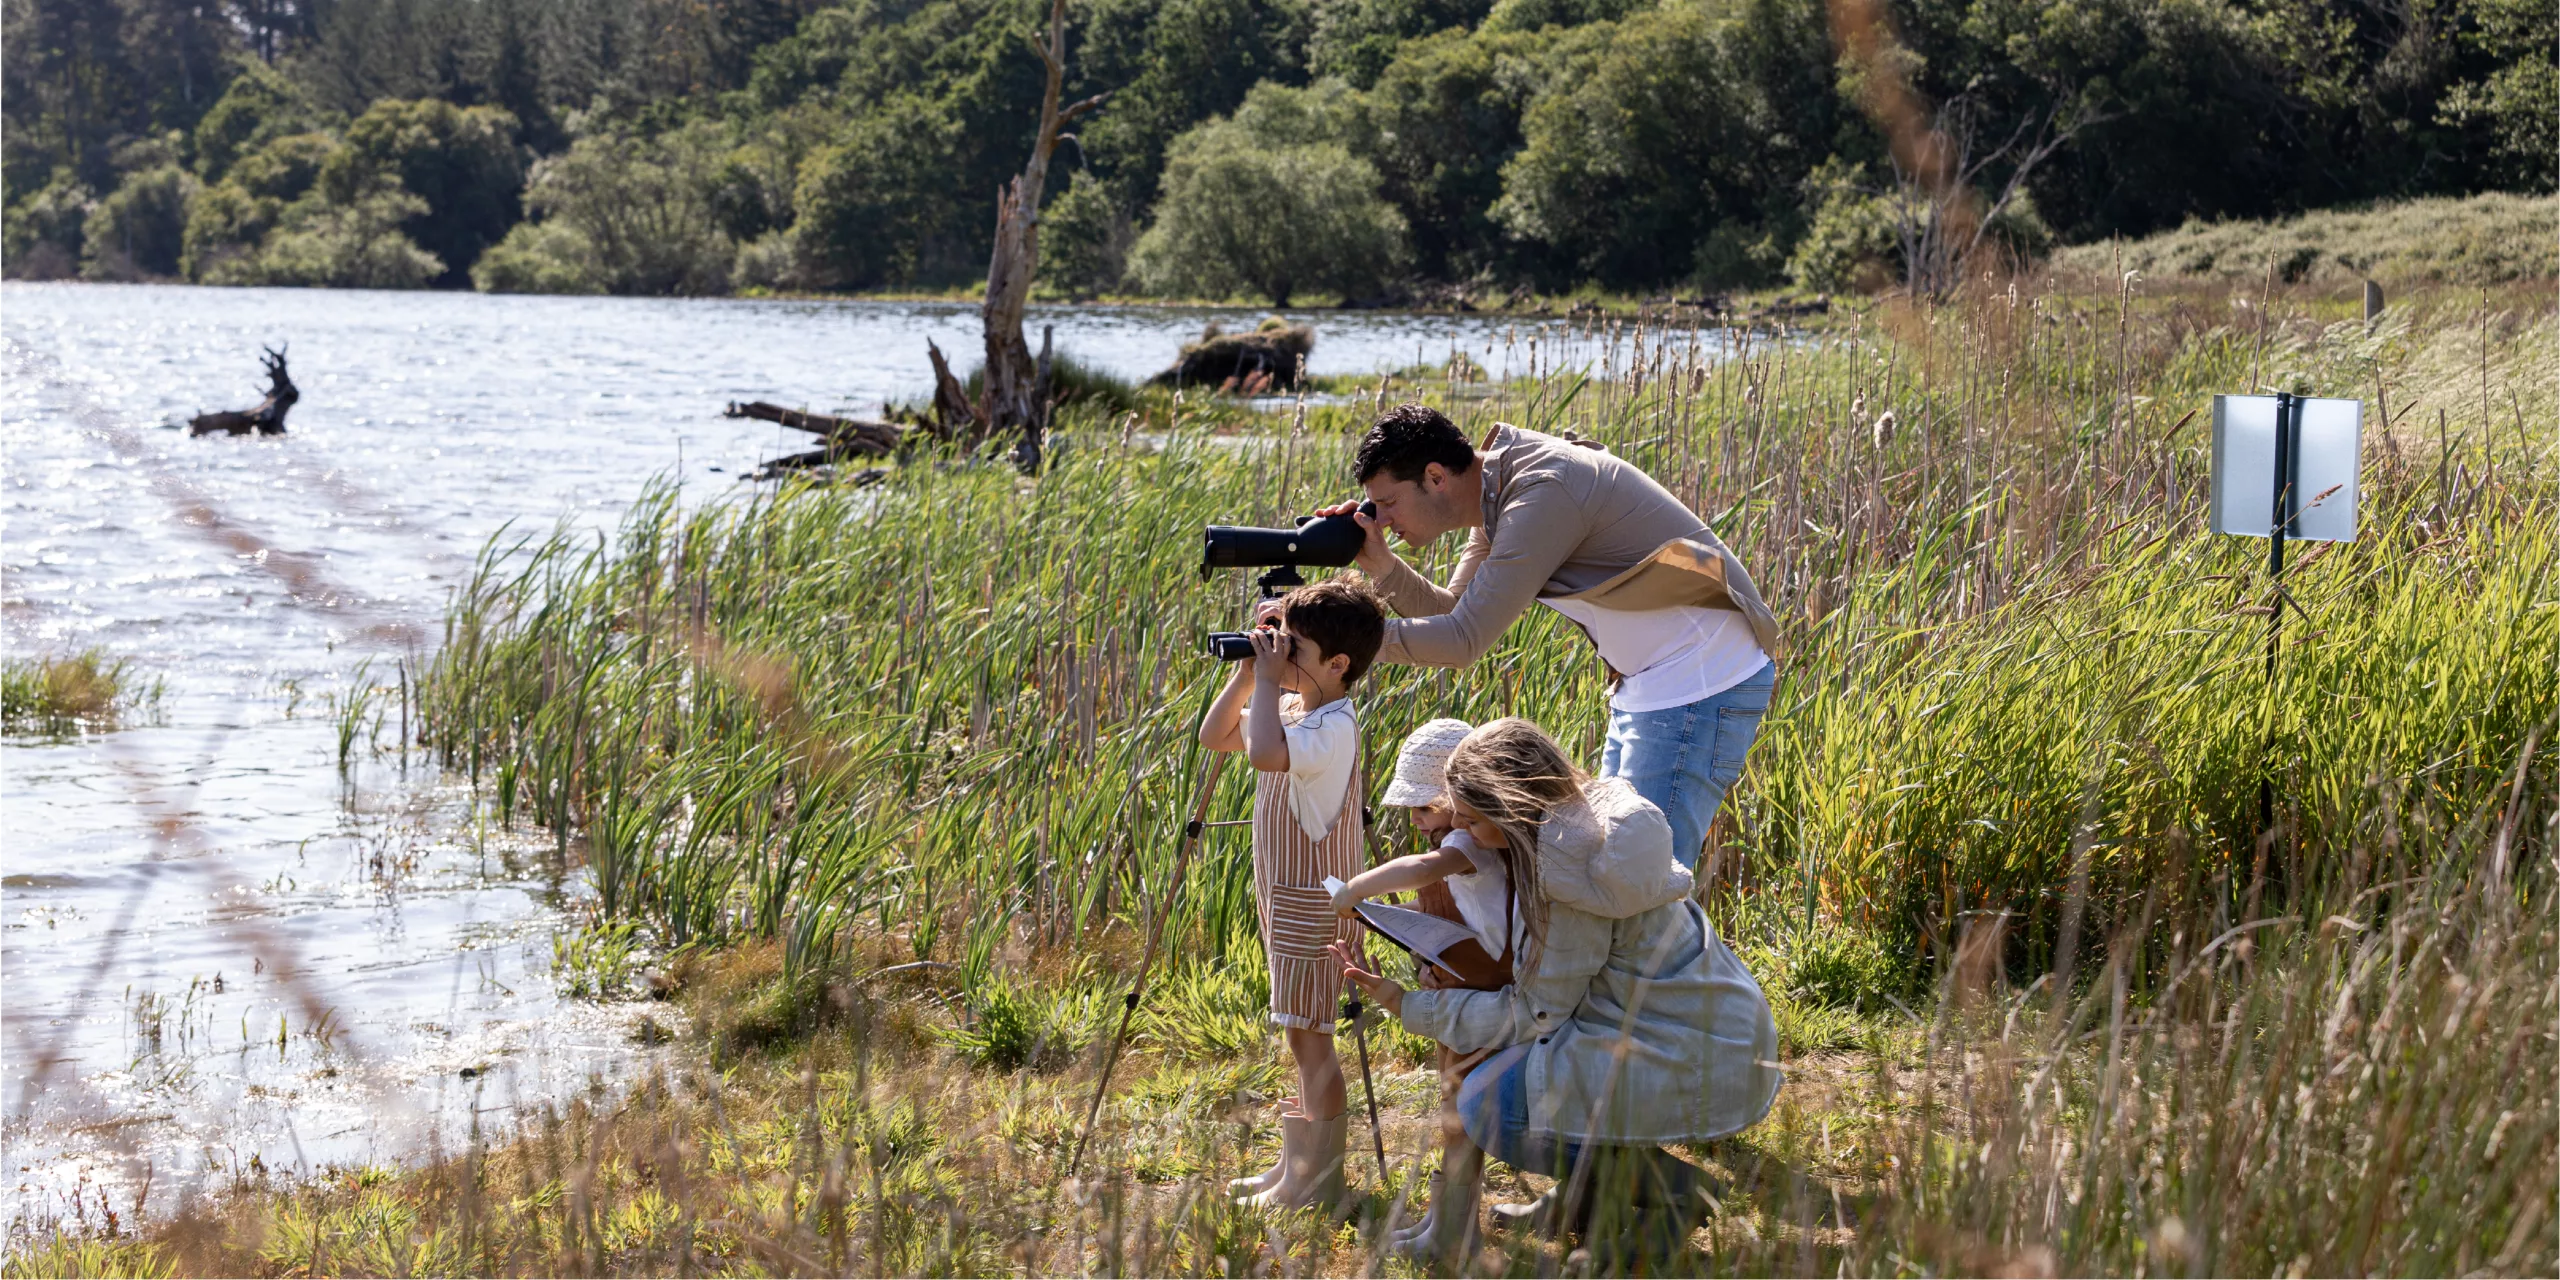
1312 150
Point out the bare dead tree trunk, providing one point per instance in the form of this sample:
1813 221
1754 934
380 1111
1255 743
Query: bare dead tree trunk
1013 399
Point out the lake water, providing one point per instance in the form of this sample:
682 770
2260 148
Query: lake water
221 952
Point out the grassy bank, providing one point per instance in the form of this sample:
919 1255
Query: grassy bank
890 781
2490 239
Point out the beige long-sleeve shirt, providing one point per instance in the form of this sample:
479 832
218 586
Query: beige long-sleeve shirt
1563 519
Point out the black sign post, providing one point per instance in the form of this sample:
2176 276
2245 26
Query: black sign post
2310 450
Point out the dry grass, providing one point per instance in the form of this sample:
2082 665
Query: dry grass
2496 238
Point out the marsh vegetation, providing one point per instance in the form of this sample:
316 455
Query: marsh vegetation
881 789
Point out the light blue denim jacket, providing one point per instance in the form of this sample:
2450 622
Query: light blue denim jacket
1647 1028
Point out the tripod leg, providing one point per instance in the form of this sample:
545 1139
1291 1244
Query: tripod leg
1351 1010
1146 965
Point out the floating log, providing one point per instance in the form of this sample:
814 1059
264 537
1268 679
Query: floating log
267 419
848 437
1270 357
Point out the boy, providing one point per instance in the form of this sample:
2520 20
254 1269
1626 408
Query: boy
1301 733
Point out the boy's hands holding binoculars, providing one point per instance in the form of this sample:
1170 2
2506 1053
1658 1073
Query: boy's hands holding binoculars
1271 649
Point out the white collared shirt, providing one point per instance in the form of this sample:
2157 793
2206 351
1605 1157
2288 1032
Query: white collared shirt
1323 746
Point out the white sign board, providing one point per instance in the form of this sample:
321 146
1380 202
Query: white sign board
2327 447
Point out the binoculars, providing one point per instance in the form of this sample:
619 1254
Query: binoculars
1324 541
1236 646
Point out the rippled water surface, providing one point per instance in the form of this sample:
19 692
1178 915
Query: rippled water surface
223 953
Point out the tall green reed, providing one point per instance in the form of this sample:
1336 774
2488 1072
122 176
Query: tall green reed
2020 679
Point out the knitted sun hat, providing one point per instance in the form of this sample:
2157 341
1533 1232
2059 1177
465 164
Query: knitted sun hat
1422 765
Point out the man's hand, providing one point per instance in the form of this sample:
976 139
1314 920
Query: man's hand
1271 647
1383 992
1268 611
1375 557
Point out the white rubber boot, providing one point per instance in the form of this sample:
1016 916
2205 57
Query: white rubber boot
1314 1159
1240 1188
1447 1233
1537 1216
1400 1242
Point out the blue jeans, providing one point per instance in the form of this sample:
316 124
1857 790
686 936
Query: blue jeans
1493 1106
1684 759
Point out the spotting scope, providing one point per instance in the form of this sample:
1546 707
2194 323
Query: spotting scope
1324 541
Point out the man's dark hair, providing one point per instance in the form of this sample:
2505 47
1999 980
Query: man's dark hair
1340 615
1407 438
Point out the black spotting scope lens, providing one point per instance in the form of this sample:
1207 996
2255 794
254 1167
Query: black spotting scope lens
1329 541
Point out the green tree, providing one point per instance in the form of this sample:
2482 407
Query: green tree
1439 124
139 230
258 106
1271 201
462 162
1172 64
1355 40
1672 141
231 219
876 207
2516 96
1084 239
339 244
41 240
620 214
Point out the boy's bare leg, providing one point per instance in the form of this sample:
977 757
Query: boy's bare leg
1321 1091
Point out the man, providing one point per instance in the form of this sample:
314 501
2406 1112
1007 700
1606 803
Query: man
1569 525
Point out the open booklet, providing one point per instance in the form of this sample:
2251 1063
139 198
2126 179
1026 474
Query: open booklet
1446 945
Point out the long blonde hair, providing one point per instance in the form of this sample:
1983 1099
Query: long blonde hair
1514 775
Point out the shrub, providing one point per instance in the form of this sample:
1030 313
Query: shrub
1843 969
321 244
1253 202
620 214
766 262
1012 1026
1851 242
139 231
41 239
460 162
539 257
1084 239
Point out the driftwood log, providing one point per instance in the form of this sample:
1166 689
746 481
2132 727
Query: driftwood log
267 419
1270 358
845 437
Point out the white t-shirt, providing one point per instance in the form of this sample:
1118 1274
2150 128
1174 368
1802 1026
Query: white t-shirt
1323 745
1481 897
1669 657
